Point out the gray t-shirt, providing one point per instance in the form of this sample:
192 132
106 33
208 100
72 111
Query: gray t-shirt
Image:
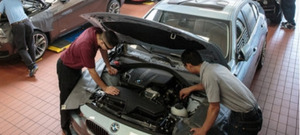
222 86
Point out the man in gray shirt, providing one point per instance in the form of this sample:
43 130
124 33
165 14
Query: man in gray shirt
224 88
22 30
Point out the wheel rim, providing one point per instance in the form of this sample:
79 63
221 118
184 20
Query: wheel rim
40 42
114 8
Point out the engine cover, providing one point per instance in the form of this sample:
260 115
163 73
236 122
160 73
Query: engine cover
129 101
142 77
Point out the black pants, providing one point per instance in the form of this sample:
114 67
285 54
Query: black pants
23 40
245 123
289 8
67 78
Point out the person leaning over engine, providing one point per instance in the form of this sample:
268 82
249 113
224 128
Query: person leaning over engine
221 86
22 30
80 54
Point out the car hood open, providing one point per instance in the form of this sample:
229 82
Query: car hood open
137 30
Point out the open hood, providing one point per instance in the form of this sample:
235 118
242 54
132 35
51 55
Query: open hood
160 38
141 31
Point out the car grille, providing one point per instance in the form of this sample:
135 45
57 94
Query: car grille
4 53
94 128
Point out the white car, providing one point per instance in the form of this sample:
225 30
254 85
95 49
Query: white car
238 27
151 74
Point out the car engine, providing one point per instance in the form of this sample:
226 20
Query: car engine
149 97
146 97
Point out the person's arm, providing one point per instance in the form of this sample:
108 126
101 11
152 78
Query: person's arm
212 114
1 8
186 91
109 68
107 89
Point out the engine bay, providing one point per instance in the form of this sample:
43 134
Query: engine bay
149 90
149 93
146 98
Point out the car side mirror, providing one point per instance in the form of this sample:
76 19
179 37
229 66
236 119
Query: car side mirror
245 53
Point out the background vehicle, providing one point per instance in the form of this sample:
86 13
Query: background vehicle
58 18
272 10
239 29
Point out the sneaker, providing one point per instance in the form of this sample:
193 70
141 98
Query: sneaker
33 71
67 132
287 25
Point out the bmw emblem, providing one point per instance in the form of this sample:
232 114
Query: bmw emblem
114 127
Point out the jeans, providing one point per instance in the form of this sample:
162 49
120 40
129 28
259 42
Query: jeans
67 78
245 123
23 40
289 9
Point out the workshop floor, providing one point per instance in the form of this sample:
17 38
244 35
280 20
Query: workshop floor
29 106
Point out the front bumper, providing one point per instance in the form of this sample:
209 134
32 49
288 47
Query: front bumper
93 123
6 46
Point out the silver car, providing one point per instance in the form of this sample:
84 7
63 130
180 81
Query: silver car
237 27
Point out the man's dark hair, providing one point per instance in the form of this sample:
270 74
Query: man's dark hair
191 56
111 38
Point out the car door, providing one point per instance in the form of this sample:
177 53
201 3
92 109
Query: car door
70 16
66 15
247 44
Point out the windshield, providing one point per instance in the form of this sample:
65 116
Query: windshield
213 31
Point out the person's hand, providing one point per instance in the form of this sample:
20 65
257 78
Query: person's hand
198 131
112 90
111 70
184 92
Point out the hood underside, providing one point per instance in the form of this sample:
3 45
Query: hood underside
141 31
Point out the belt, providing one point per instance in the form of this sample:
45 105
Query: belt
250 113
18 22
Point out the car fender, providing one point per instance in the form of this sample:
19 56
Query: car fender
85 87
43 21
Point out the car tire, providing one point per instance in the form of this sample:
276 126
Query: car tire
113 7
262 56
278 15
40 42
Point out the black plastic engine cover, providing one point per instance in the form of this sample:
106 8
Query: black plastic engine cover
132 102
142 77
